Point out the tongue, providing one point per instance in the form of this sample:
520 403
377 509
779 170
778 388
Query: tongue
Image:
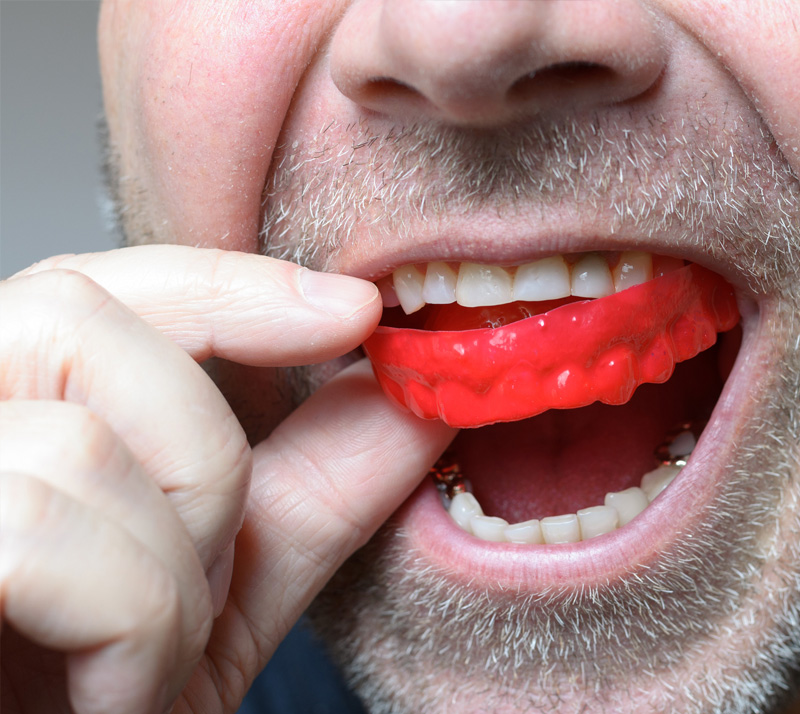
565 460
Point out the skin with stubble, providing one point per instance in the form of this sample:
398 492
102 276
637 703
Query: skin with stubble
356 138
406 623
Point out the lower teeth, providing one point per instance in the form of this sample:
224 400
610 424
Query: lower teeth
619 509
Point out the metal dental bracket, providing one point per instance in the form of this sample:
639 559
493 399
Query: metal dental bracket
448 478
679 443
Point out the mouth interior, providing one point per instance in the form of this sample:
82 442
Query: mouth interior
457 317
564 460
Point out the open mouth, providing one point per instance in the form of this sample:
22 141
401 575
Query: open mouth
587 381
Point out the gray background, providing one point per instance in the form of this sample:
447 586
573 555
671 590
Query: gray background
51 195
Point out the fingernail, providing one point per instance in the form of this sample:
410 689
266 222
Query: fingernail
219 575
338 295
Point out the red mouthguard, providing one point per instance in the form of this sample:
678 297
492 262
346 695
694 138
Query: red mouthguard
583 352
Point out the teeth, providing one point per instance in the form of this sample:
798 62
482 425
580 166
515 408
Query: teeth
620 508
489 528
462 509
682 444
597 520
408 282
628 503
546 279
634 268
526 532
483 285
591 277
440 284
388 294
654 482
561 529
474 285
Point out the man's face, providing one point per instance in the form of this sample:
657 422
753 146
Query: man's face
369 136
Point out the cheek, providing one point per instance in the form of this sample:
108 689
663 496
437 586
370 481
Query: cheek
204 97
758 44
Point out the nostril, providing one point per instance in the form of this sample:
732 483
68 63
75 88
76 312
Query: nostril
564 75
389 95
378 89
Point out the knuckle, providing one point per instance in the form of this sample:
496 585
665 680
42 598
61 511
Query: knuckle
47 303
221 274
50 263
217 502
197 628
48 318
61 284
233 483
92 443
30 514
241 458
27 503
54 439
31 511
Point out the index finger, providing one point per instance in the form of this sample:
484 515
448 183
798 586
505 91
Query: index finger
242 307
323 482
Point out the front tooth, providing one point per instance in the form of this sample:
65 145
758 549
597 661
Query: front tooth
597 520
591 277
463 507
483 285
561 529
634 268
529 532
546 279
439 287
628 503
489 527
408 282
654 482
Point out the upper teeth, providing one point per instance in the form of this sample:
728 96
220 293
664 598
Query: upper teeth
474 285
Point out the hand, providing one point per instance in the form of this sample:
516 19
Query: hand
124 474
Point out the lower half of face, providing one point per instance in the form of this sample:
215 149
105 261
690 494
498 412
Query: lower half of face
626 547
617 527
630 549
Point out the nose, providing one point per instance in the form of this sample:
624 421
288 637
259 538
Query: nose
483 62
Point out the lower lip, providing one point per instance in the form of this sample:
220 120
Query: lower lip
598 561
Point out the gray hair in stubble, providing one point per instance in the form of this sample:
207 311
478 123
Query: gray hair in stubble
690 184
397 625
405 624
